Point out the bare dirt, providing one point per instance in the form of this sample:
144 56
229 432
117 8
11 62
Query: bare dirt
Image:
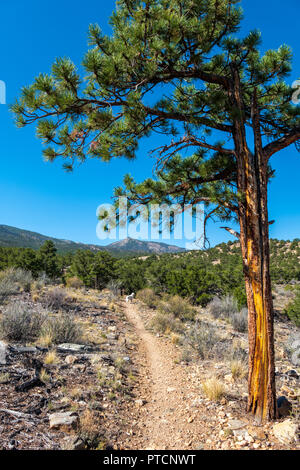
166 416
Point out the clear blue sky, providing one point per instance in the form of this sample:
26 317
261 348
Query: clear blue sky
40 196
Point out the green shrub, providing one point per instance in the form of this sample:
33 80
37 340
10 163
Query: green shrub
225 307
74 282
55 299
239 293
202 338
165 323
239 320
114 287
13 280
20 322
178 307
293 309
148 297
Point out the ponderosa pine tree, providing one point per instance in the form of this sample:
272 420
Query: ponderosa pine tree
179 68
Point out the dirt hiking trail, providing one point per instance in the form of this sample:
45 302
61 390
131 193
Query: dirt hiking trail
167 420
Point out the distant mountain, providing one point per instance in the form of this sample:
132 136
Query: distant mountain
15 237
131 245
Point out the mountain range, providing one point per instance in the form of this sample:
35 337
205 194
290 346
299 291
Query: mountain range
15 237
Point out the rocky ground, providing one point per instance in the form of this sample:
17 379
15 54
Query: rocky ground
82 399
126 387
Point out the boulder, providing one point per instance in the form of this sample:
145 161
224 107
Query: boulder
284 407
65 421
286 431
3 353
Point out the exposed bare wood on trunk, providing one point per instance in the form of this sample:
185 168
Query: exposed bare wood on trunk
254 238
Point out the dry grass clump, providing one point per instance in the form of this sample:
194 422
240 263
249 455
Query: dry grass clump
4 378
51 358
90 429
44 376
214 389
238 369
45 340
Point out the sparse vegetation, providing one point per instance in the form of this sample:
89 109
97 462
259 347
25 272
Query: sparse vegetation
176 306
20 322
90 430
164 323
55 299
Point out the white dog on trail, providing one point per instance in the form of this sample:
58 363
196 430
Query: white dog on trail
129 298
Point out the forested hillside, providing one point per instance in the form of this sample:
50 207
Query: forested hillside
197 275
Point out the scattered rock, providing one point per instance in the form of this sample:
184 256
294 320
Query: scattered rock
72 443
295 358
140 402
284 407
235 424
293 349
64 421
292 373
256 432
70 359
286 431
72 348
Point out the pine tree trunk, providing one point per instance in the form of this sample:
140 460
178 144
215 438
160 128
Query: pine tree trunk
252 182
254 237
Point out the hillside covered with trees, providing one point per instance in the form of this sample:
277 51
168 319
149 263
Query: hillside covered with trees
197 275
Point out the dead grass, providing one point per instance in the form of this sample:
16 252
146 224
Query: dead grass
51 358
238 369
44 376
214 389
45 340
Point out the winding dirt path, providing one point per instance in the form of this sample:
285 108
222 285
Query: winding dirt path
169 419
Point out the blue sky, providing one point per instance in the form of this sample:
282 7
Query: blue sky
40 196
